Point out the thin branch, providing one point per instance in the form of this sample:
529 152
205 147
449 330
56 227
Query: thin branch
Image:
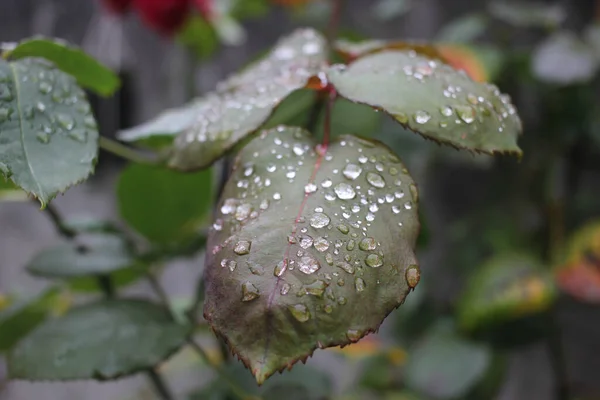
160 385
315 111
118 149
59 224
328 113
557 359
164 298
334 20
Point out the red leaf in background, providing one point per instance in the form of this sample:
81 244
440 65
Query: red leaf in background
166 16
117 6
204 7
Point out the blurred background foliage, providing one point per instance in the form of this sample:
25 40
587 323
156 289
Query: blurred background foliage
510 249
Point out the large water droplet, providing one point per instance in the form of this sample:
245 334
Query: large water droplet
316 288
413 275
349 268
43 137
375 180
343 228
344 191
350 245
66 121
310 188
45 87
367 244
465 113
5 170
306 241
229 206
352 171
421 117
374 260
319 220
4 114
308 265
280 268
242 247
353 335
243 211
5 93
285 289
300 312
360 284
79 135
231 264
249 292
321 244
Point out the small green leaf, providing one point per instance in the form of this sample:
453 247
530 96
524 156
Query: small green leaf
90 255
89 72
10 192
198 35
244 102
444 366
306 250
464 29
21 318
162 205
103 340
504 297
353 119
48 136
565 59
351 50
161 131
386 10
294 110
433 100
526 14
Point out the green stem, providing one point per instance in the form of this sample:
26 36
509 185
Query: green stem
557 359
124 152
334 21
164 298
59 224
159 384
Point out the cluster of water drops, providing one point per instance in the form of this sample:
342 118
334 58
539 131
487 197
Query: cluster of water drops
471 108
359 193
49 104
244 102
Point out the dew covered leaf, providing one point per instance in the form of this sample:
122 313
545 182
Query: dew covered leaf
72 60
445 366
103 340
507 288
22 317
308 251
432 99
90 255
164 206
48 136
244 102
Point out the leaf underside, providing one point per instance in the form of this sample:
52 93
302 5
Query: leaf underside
103 340
48 136
432 99
244 102
353 50
292 267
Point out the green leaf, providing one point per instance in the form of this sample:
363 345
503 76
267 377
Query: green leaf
10 192
21 318
162 205
503 296
89 72
294 110
103 340
308 251
525 14
48 136
244 102
199 35
352 118
160 132
90 255
464 29
351 50
386 10
565 59
433 100
445 366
